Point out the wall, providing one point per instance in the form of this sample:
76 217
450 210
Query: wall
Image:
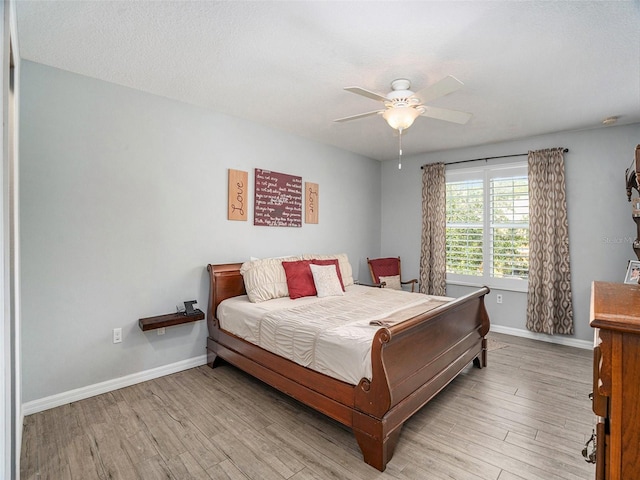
123 204
600 226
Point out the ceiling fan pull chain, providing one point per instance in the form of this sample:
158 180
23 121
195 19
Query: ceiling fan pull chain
400 149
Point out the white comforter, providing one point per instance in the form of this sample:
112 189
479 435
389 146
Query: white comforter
330 335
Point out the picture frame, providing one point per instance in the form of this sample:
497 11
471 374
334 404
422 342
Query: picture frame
633 272
277 199
238 184
312 202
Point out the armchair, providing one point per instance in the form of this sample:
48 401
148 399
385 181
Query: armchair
388 267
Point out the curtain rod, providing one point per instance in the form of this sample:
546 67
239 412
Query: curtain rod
565 150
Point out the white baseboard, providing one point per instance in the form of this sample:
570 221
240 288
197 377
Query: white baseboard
63 398
559 339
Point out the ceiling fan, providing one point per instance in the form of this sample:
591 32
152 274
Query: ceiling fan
402 106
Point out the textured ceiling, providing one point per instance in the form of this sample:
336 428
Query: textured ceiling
529 68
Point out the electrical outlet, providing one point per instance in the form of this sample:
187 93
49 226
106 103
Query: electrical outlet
160 331
117 335
498 298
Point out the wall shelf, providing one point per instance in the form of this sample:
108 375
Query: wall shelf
169 320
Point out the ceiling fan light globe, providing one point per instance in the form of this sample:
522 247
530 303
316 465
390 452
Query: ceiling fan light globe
400 118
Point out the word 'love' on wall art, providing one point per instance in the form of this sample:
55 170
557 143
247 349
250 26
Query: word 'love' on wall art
312 201
278 199
237 201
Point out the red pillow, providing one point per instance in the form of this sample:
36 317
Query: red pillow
333 261
299 279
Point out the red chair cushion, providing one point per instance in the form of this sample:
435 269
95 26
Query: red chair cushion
385 267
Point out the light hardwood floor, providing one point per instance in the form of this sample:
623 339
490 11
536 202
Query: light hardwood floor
525 416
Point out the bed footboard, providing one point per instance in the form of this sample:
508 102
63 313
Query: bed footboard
412 361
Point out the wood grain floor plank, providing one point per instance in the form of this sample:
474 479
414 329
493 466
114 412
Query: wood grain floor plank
164 430
154 468
307 474
564 439
509 476
83 459
330 433
121 414
50 427
506 456
554 412
513 415
245 459
448 418
317 452
174 433
455 459
29 462
199 445
202 406
109 452
226 470
413 471
562 458
468 380
490 415
277 458
186 466
139 447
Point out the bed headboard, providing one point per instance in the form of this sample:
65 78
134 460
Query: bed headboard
225 282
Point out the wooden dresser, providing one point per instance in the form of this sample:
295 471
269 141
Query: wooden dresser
615 316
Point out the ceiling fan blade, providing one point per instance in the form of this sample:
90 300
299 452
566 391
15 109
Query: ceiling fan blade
439 89
448 115
367 93
360 115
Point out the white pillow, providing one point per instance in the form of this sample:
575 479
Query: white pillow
265 279
326 279
343 262
392 282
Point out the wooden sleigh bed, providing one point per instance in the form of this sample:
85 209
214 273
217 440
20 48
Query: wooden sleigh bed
411 362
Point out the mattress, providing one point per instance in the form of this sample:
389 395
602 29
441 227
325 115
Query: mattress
331 335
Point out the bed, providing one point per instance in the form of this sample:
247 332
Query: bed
411 361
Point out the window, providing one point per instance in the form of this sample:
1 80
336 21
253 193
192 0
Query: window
488 226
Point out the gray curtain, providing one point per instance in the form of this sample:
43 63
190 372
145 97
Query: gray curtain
549 305
433 269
